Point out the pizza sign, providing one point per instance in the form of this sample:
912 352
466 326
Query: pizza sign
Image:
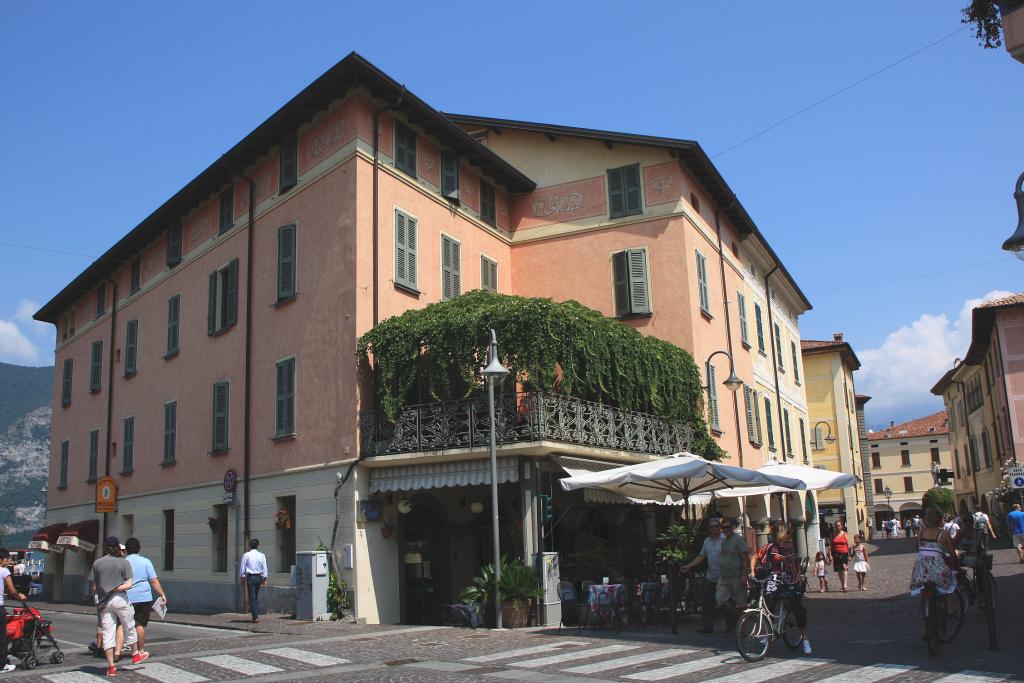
106 495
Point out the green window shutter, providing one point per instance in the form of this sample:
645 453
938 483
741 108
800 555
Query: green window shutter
285 412
65 389
450 176
631 187
760 327
405 249
405 149
135 279
620 276
128 450
757 417
778 348
639 297
803 439
768 421
286 258
410 252
96 367
712 398
220 416
616 194
702 283
94 453
211 311
789 438
170 430
488 274
101 300
741 303
748 406
487 207
174 245
131 348
796 365
231 295
451 268
173 323
289 166
65 446
227 210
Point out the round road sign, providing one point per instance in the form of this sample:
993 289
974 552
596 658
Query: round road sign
1018 482
230 477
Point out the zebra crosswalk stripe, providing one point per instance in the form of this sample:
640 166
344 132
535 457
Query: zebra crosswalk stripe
73 677
692 666
239 665
869 674
970 676
631 660
770 672
167 674
511 654
306 657
571 655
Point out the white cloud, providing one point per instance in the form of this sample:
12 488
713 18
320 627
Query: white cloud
23 316
15 347
900 373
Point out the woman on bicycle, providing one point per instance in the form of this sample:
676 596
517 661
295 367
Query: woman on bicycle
778 557
930 568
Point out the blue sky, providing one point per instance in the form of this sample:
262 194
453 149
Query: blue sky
111 108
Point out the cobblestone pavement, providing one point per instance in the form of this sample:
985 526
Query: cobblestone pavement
857 636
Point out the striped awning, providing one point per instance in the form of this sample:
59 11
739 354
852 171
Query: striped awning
81 536
441 475
45 539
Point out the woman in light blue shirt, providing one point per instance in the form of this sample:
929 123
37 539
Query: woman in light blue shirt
144 583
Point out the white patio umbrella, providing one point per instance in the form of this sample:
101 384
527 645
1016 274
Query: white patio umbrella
813 478
676 478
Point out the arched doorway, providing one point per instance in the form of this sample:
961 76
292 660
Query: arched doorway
424 561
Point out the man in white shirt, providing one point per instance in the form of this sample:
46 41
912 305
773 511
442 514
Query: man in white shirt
951 527
253 575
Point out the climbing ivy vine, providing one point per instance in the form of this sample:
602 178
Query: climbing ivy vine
435 353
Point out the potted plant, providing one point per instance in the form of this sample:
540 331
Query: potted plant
518 586
481 592
282 519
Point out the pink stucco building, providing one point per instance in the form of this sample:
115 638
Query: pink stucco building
217 337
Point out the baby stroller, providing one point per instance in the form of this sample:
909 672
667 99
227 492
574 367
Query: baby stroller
30 637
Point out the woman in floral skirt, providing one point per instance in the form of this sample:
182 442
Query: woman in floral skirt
933 544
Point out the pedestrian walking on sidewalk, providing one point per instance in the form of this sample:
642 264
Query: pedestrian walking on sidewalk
6 585
821 572
110 577
253 575
1015 523
840 553
144 584
710 553
860 562
908 526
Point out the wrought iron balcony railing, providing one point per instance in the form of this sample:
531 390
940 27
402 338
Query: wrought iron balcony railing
520 418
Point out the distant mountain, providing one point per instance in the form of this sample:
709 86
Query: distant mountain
25 395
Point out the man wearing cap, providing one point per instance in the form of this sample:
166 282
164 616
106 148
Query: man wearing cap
110 577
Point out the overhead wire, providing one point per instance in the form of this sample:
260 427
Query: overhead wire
912 277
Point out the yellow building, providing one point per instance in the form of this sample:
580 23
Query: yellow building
901 464
835 442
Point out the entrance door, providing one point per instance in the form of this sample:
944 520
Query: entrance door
422 562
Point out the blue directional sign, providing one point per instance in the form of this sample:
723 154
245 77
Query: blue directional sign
1018 482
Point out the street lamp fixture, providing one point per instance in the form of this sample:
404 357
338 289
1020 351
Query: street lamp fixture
494 373
1015 243
732 382
829 438
887 492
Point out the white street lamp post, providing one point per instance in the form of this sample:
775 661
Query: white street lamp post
493 373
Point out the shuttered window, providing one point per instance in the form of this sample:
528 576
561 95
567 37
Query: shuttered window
760 327
488 274
789 437
220 417
487 208
135 280
712 398
778 349
624 191
629 269
405 250
96 367
753 415
227 210
741 303
451 268
285 392
170 431
878 486
65 447
173 324
450 176
65 387
289 166
101 300
908 484
174 245
94 453
168 540
986 448
131 348
128 450
755 399
702 283
803 440
405 149
768 422
222 310
286 258
796 364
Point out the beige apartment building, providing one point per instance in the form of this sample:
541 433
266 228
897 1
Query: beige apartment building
902 459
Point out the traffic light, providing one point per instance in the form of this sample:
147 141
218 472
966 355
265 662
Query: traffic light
945 477
547 509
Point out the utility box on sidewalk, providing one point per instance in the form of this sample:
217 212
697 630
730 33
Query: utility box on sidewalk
311 577
550 599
